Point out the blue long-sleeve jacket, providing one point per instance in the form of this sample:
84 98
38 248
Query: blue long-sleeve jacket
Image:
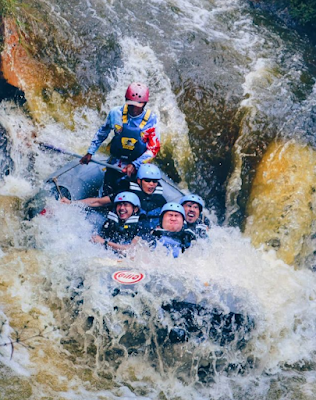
150 133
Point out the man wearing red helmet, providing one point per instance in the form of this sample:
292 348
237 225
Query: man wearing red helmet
136 136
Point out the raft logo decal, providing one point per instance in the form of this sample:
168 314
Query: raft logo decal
128 277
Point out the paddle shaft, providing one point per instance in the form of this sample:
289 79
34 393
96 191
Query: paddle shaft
50 147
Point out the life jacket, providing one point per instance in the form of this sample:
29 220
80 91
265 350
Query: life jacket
119 231
128 144
200 227
151 205
177 242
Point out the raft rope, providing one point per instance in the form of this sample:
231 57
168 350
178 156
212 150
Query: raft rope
55 179
62 173
57 187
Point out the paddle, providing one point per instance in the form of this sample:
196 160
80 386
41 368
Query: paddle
62 151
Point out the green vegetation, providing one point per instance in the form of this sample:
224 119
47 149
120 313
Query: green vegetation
7 7
304 11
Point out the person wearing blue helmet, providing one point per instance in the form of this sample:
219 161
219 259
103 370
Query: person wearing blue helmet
172 232
121 225
193 206
150 193
146 187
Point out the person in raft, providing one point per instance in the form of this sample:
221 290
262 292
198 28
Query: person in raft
121 225
150 193
172 232
146 187
193 206
136 137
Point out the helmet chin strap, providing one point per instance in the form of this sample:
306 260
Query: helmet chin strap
140 184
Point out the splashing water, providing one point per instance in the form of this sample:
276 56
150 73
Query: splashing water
68 331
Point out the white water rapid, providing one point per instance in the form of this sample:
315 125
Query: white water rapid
65 331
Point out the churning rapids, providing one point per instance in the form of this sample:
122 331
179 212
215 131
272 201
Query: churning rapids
235 95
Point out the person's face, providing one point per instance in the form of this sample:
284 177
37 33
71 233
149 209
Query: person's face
134 110
172 221
148 185
192 211
124 210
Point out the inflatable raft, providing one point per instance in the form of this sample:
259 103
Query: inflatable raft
172 320
76 182
145 310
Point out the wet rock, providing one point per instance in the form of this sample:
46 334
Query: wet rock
56 73
9 92
282 205
213 129
19 69
6 162
279 10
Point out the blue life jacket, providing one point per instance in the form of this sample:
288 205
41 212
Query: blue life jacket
177 242
128 144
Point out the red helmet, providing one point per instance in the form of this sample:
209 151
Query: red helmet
137 94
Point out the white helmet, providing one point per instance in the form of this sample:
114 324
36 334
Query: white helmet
129 197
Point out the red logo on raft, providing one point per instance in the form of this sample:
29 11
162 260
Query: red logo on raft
128 277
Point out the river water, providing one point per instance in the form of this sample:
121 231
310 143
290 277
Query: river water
229 87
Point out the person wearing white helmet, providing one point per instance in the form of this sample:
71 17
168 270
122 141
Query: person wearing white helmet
136 136
193 206
172 232
121 225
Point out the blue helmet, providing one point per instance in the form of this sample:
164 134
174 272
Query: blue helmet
173 207
194 198
148 171
129 197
